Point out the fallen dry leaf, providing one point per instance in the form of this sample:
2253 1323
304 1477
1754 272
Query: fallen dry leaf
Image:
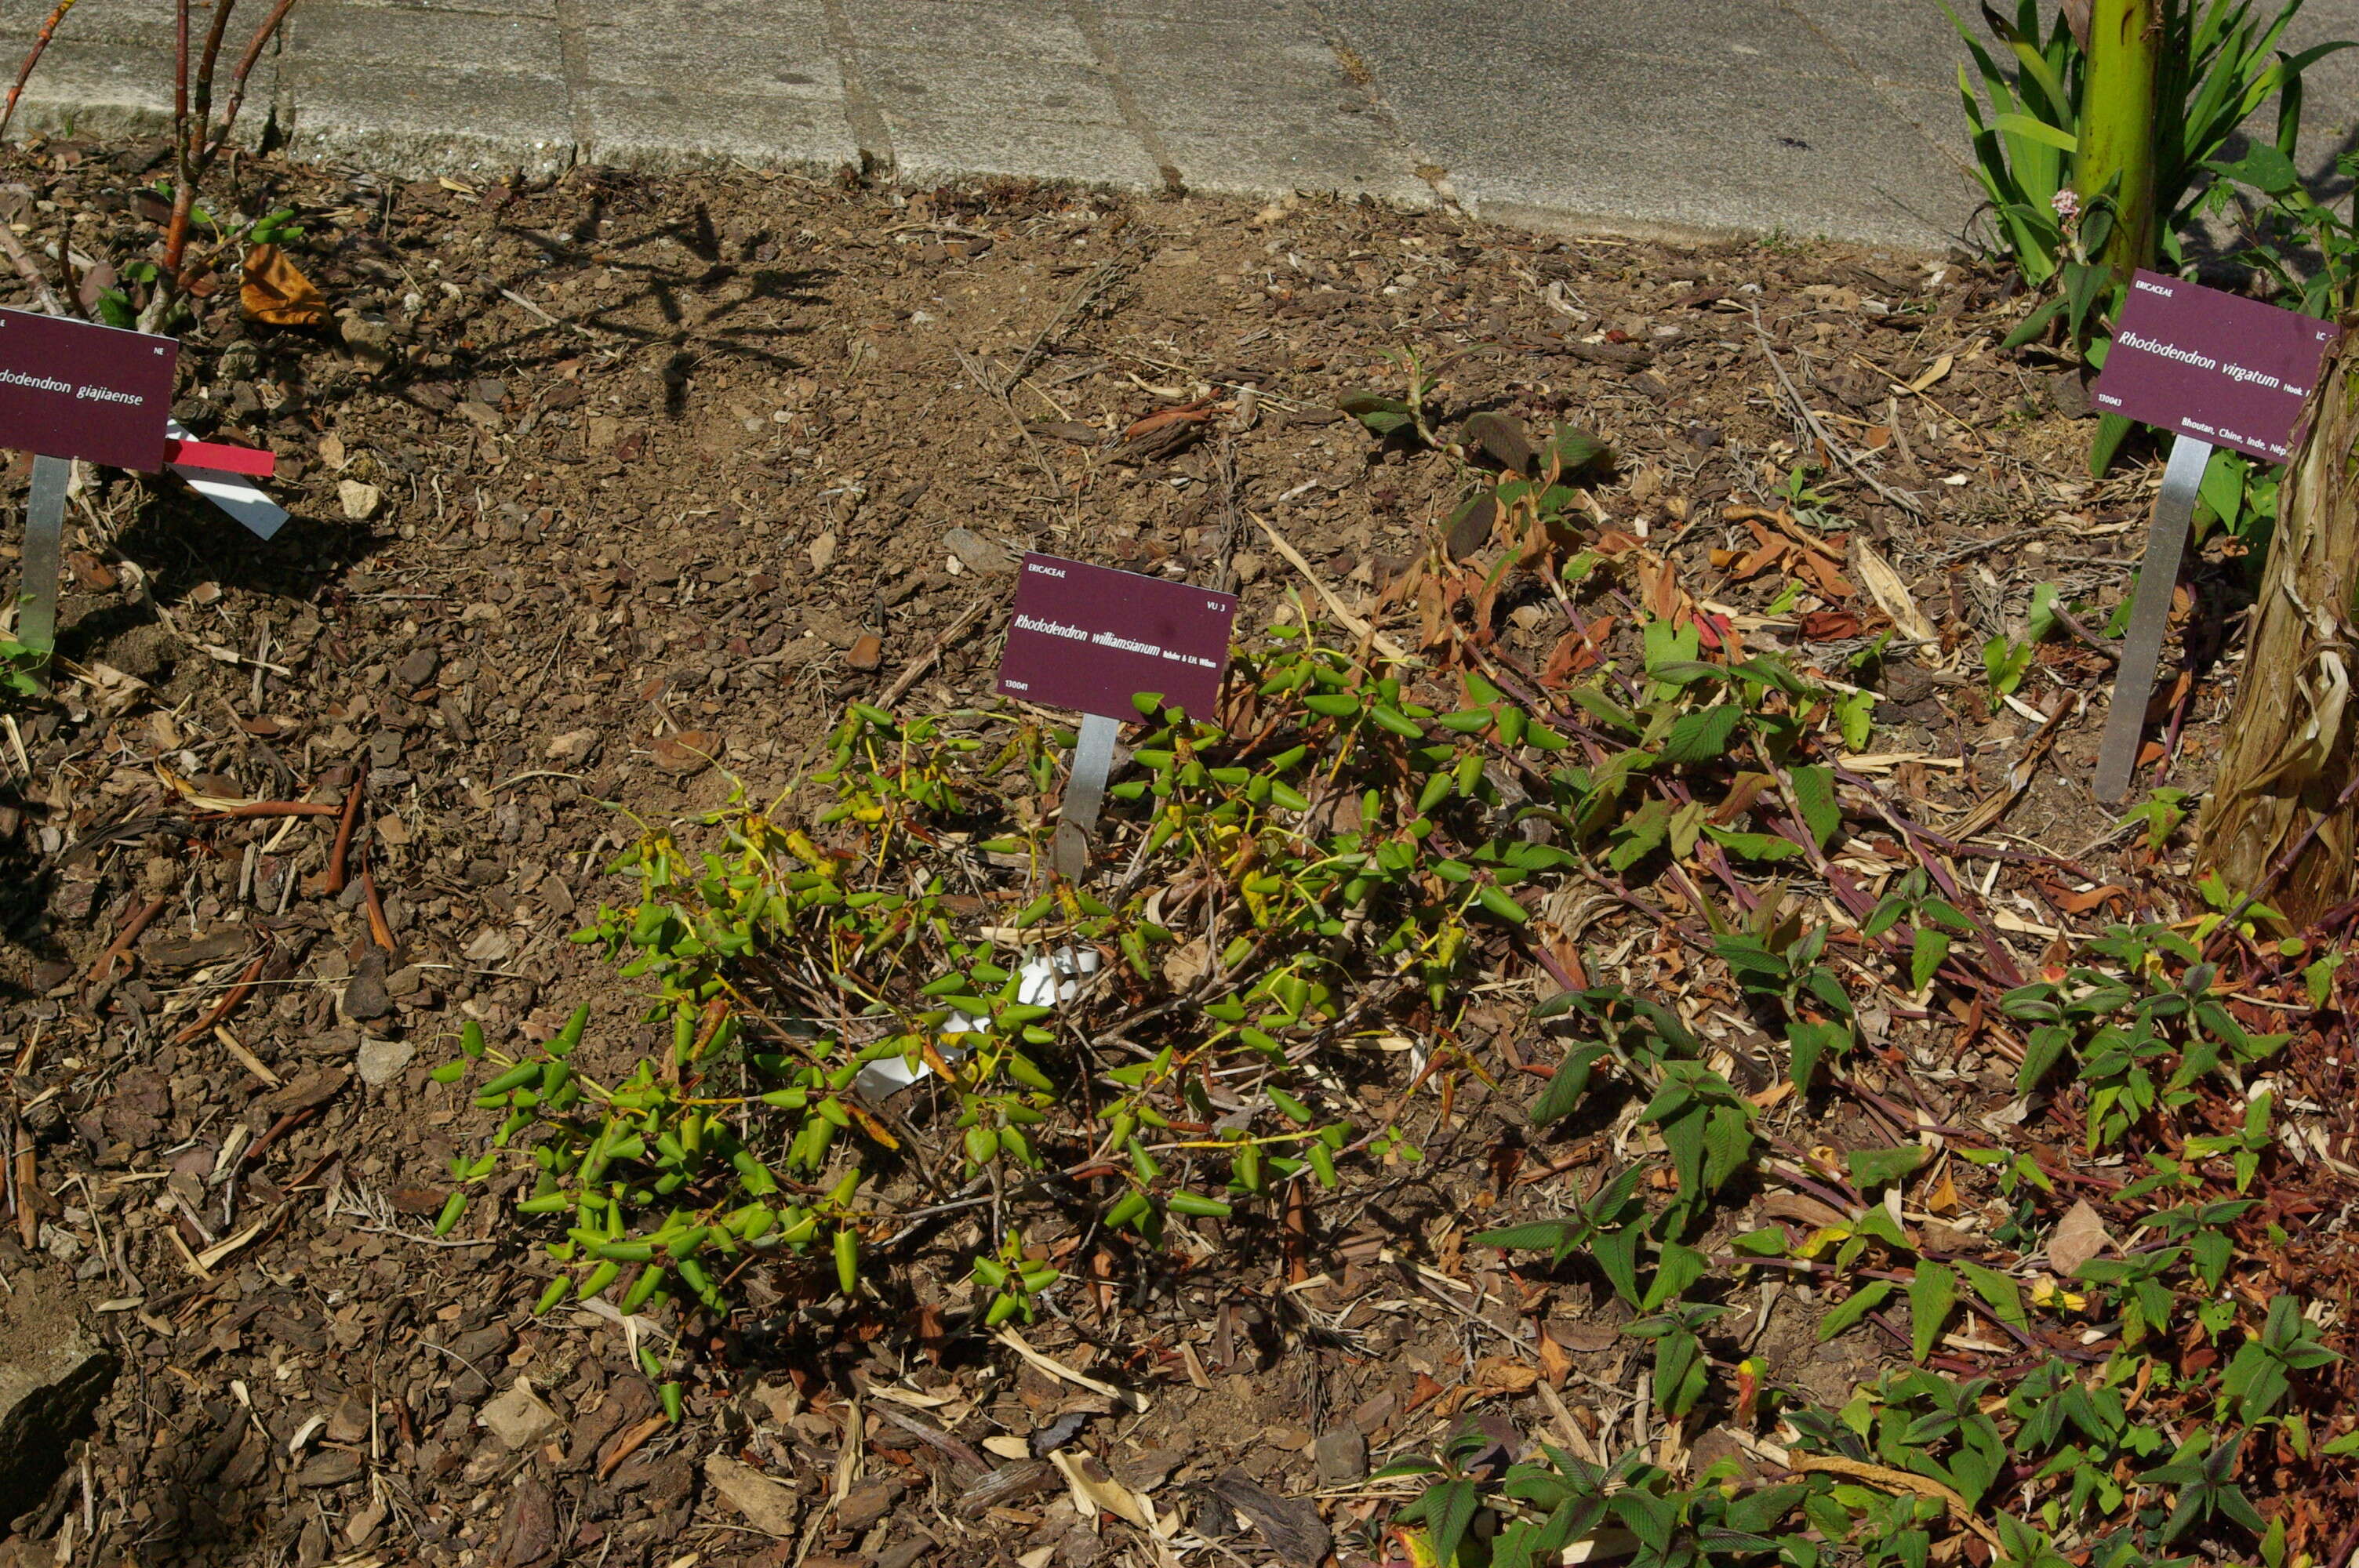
1934 372
1499 1375
2080 1235
276 292
690 751
1891 595
1095 1491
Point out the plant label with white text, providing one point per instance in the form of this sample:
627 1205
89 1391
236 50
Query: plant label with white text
2219 367
1092 638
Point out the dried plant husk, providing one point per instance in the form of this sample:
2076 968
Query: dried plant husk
2289 758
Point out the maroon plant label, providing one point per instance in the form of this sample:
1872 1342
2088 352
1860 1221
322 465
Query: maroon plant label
71 389
1092 638
2229 370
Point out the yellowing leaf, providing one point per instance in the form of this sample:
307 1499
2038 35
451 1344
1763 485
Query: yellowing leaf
276 292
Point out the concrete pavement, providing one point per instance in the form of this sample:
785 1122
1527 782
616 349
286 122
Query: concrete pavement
1809 117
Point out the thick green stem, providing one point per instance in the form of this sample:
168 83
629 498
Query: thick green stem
2116 159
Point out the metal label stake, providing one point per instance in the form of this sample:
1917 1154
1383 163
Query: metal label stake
2157 580
45 531
1085 793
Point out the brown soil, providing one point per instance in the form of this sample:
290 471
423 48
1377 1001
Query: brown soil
658 471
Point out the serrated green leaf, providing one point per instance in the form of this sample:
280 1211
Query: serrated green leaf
1814 799
1701 735
1932 1293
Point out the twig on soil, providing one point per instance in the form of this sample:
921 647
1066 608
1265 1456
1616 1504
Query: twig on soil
380 930
334 884
1841 454
2019 776
511 294
121 947
1084 299
43 295
918 666
255 808
249 1060
1136 1402
230 999
1893 1480
1358 626
536 774
24 1181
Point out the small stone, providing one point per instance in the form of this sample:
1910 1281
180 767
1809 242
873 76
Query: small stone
517 1417
381 1061
1342 1456
978 554
866 653
1248 566
574 746
360 500
369 337
417 668
769 1505
822 551
365 998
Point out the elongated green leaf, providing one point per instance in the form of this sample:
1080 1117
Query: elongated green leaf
1814 798
1932 1293
1876 1167
1453 1508
1539 1235
1857 1305
2037 131
1998 1291
1925 957
1564 1091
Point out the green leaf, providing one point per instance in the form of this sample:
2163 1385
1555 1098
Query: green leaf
1998 1291
1808 1043
1814 798
1565 1090
2265 168
1932 1293
1499 904
1539 1235
1878 1167
2037 131
1617 1256
1857 1305
1700 736
1675 1270
1575 448
1926 956
1753 845
1451 1511
1637 838
1380 414
2041 1052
